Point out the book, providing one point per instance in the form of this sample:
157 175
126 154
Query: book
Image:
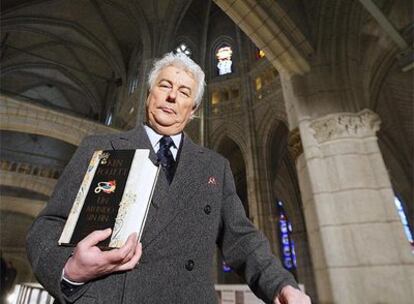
116 193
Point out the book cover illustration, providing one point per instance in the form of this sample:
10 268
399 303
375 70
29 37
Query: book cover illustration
115 193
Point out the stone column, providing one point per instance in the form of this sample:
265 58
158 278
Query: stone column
359 251
142 90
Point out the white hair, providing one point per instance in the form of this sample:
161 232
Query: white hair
179 61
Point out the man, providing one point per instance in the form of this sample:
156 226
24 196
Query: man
195 207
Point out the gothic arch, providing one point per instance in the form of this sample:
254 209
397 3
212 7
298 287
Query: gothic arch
232 131
13 68
42 185
189 43
58 42
266 127
43 81
176 12
284 51
27 207
218 42
229 149
284 186
33 24
14 226
276 147
397 170
29 118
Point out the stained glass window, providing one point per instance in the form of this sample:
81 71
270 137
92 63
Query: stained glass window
108 119
258 83
260 54
224 62
404 222
225 267
215 98
133 85
184 49
286 244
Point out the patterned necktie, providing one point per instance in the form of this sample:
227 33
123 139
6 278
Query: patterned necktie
166 158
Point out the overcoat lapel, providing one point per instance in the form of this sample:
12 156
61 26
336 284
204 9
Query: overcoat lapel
177 196
138 139
168 200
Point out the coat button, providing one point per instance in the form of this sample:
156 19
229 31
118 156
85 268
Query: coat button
207 209
189 265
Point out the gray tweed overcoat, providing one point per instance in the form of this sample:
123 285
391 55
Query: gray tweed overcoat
187 220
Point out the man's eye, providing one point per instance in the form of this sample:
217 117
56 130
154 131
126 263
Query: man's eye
185 93
165 85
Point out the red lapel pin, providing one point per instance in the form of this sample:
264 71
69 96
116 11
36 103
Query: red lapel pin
212 180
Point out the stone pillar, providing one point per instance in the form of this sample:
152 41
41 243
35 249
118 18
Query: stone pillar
142 90
359 251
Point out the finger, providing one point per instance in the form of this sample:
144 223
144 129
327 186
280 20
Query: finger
133 261
133 237
95 237
123 254
128 250
277 301
131 253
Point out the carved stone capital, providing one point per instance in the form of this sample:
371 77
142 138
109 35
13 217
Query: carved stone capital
345 125
295 143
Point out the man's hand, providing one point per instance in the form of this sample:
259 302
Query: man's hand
89 262
291 295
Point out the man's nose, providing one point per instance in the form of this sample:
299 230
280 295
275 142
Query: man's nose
172 95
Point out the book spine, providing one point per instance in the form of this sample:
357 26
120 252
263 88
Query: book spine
80 199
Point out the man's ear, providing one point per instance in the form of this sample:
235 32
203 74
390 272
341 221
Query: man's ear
146 100
192 112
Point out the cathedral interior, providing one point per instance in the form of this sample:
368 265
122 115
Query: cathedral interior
310 100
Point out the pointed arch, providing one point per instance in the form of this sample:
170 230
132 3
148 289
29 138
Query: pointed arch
77 32
220 42
93 99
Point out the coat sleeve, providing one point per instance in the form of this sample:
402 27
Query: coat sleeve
45 255
246 249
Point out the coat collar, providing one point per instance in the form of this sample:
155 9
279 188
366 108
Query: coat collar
136 138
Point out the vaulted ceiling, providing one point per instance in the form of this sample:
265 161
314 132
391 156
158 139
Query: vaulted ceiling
71 53
76 55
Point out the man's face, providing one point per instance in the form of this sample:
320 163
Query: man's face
170 102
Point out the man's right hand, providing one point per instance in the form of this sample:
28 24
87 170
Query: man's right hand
89 262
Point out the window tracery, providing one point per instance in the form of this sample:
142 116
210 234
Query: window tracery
183 49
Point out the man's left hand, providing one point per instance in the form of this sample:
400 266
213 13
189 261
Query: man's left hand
291 295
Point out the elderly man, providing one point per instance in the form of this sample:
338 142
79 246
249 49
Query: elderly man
194 209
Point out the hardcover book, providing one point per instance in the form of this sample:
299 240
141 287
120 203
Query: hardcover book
115 193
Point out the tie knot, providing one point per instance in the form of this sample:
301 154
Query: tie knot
166 142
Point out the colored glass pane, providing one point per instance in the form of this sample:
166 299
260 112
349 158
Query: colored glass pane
224 63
